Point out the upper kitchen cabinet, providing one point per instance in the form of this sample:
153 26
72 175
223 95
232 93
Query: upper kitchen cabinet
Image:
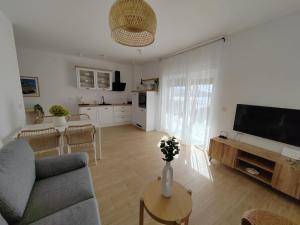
85 78
104 79
88 78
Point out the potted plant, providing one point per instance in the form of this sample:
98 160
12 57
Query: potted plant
59 113
170 148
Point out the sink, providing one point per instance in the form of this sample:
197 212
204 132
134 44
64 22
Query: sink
104 104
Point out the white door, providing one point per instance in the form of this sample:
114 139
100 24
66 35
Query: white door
105 115
91 111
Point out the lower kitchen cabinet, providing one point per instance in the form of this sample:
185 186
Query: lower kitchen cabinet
111 115
92 112
105 115
122 114
145 117
141 118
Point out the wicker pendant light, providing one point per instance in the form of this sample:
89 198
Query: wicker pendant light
132 23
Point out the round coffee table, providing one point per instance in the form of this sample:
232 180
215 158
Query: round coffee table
174 210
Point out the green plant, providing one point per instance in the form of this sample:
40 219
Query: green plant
169 147
58 110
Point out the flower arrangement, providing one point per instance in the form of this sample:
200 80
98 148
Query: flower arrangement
170 148
58 110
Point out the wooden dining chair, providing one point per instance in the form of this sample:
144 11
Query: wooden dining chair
81 136
262 217
78 117
42 140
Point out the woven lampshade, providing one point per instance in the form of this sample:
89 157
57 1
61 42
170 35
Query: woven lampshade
132 23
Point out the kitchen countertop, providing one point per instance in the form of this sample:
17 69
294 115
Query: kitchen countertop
95 105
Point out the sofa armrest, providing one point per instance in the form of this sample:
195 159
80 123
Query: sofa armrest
53 166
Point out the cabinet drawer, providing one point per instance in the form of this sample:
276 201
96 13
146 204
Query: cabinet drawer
216 150
122 110
85 109
286 179
229 156
119 119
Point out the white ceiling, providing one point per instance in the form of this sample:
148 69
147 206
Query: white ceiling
81 26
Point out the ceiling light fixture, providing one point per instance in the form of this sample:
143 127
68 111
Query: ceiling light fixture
132 23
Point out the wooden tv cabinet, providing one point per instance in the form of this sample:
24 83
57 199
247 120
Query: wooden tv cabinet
274 169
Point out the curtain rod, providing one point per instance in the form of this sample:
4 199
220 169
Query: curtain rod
198 45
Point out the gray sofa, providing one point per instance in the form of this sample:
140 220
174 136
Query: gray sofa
50 191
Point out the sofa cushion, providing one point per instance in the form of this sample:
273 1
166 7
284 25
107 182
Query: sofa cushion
2 220
82 213
17 176
56 165
56 193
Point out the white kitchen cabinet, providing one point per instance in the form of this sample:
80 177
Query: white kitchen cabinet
85 78
122 114
122 110
111 115
91 111
104 79
105 115
145 118
88 78
135 107
141 118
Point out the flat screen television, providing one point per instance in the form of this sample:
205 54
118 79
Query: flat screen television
278 124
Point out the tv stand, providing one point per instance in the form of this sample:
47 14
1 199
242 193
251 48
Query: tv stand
274 169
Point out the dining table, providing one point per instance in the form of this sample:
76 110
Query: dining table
61 130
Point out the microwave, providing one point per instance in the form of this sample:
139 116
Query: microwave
142 100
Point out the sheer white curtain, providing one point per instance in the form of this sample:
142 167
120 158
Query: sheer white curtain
188 85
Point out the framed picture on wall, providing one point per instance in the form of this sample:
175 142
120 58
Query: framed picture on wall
30 86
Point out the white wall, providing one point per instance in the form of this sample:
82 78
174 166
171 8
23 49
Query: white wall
145 71
57 78
12 114
261 67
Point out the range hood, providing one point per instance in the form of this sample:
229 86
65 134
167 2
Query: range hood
117 85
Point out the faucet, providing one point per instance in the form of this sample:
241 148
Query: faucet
103 102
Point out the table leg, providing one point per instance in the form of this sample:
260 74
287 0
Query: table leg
141 211
62 144
186 221
98 143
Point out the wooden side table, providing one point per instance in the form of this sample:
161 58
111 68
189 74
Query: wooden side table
171 211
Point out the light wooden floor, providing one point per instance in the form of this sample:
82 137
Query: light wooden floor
131 159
